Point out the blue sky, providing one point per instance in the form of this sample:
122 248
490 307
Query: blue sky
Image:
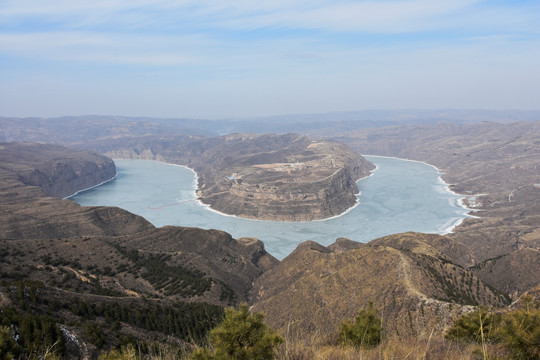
223 59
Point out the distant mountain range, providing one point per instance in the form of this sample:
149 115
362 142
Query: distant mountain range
326 124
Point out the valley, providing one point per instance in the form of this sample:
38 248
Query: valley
421 283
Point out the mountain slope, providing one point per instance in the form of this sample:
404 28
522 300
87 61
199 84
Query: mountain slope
417 287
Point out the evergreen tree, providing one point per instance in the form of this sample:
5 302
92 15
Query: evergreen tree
241 336
520 333
364 331
517 330
479 326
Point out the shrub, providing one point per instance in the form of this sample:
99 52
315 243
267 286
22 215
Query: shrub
95 333
364 331
32 334
8 347
241 336
126 353
518 330
479 326
520 333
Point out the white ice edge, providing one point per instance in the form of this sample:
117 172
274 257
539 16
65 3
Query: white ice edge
444 229
449 226
91 187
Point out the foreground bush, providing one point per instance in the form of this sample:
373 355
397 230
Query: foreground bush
8 347
518 330
364 331
479 326
241 336
520 333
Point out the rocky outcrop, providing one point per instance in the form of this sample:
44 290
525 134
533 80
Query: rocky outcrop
282 177
293 201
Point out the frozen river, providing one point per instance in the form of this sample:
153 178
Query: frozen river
400 196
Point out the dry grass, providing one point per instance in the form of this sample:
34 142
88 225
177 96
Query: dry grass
428 348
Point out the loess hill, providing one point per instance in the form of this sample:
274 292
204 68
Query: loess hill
496 166
268 177
51 230
416 286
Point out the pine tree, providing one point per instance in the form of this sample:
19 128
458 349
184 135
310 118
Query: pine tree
241 336
364 331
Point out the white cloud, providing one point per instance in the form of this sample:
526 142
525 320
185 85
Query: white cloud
387 16
368 16
199 58
102 48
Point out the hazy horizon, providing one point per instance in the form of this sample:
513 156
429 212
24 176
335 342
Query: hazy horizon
408 115
207 60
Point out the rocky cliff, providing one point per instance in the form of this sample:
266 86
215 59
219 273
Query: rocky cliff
298 180
56 170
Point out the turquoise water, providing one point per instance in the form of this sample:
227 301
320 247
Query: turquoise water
400 196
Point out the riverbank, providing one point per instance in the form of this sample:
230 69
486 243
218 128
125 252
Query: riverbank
92 187
448 229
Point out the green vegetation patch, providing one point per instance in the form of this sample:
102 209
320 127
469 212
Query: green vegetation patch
25 335
172 280
30 328
364 332
241 336
187 321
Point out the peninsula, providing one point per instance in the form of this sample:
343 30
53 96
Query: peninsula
266 177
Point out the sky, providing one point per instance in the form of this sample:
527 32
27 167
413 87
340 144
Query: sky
245 58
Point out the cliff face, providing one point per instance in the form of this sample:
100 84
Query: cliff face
64 179
270 177
56 170
294 201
